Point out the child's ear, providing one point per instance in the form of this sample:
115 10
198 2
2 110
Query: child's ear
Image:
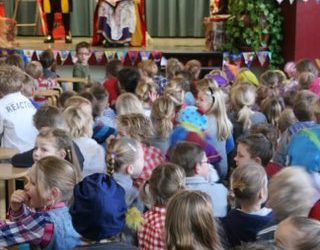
55 194
258 160
62 153
129 169
196 168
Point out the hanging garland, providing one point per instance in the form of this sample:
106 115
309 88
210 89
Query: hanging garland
292 1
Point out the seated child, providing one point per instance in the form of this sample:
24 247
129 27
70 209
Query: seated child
125 160
193 160
79 125
249 187
166 179
298 233
16 111
187 211
254 147
139 127
47 222
100 198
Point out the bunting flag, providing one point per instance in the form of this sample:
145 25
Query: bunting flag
133 55
121 55
99 56
226 57
27 53
110 54
248 58
145 55
262 57
157 56
270 55
163 62
64 55
38 53
55 54
74 57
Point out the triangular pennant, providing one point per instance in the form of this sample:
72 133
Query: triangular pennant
279 1
64 55
38 53
270 55
248 58
163 62
99 56
226 57
133 55
110 54
74 57
55 54
145 55
157 55
262 57
28 53
121 54
291 1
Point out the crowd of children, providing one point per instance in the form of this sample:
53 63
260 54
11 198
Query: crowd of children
170 161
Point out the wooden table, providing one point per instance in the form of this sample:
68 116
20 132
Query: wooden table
7 153
9 174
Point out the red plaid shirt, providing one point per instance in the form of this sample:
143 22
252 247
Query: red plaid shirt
151 235
152 158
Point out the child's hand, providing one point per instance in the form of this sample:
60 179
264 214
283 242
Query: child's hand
17 199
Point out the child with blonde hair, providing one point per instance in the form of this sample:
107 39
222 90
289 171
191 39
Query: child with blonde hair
128 103
211 101
243 97
79 124
139 127
125 161
166 179
194 67
173 67
186 211
298 233
175 91
249 186
16 111
272 107
48 192
193 160
146 91
162 113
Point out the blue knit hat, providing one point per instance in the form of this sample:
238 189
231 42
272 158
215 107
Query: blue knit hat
191 115
304 149
99 207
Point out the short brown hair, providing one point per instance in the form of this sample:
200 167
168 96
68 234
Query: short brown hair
11 79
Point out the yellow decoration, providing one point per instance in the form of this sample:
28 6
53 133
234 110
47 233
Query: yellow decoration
134 219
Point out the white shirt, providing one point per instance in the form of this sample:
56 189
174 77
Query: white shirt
93 154
16 122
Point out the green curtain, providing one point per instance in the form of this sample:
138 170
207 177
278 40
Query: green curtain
176 18
81 17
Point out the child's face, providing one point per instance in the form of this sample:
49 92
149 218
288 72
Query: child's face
203 167
46 147
243 156
83 55
139 163
203 103
30 188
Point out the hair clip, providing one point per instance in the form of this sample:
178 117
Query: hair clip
113 155
132 147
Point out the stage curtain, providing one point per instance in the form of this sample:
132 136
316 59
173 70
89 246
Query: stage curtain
81 17
176 18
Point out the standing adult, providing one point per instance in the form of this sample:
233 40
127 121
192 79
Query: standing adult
57 6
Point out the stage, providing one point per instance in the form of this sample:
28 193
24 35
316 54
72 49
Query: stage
159 49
